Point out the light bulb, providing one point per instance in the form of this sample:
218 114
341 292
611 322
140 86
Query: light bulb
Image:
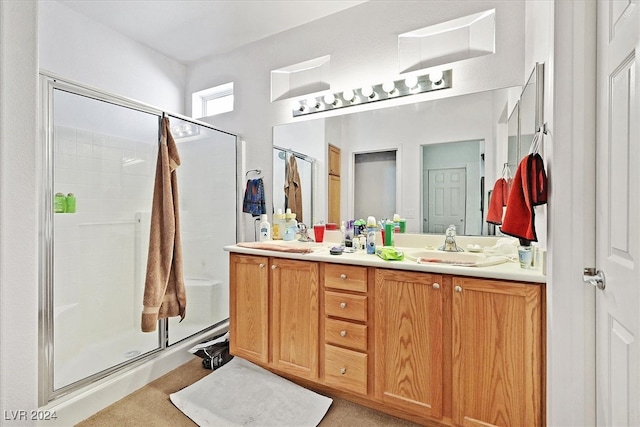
330 99
411 82
348 95
367 92
436 77
388 86
312 102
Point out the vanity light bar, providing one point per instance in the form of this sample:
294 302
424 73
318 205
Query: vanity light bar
367 94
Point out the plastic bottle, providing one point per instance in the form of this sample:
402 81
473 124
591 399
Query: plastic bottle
371 235
59 203
389 230
265 228
277 232
290 225
70 203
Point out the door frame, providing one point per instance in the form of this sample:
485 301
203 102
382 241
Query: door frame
351 178
569 152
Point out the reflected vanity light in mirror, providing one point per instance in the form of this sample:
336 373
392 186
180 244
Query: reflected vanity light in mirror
435 80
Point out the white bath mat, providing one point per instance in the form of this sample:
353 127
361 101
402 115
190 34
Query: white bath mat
243 394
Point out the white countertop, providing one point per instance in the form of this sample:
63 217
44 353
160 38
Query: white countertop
509 270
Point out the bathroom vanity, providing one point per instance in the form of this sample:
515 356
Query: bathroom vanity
437 344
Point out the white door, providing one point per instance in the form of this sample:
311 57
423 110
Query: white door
618 215
446 200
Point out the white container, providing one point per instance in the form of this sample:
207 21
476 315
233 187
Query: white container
265 228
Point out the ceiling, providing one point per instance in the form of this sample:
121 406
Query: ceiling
191 30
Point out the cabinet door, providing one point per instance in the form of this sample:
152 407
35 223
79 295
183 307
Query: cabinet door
249 307
295 317
497 353
408 341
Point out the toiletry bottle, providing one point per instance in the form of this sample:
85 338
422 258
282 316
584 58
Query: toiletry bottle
277 232
70 203
265 228
343 230
389 230
59 203
371 235
396 223
290 225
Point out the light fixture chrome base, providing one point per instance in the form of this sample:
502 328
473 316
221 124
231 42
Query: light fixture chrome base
369 94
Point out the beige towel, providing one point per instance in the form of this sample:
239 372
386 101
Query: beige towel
292 188
164 292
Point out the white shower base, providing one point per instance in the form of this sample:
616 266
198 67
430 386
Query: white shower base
102 355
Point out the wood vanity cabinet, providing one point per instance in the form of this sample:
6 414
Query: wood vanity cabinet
433 348
273 313
409 341
498 353
346 327
249 307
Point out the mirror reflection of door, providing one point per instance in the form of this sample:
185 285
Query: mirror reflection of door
447 195
375 185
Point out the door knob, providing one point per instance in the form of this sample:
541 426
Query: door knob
594 277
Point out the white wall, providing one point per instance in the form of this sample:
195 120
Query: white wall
80 49
362 42
19 207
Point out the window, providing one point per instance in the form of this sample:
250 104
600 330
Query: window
212 101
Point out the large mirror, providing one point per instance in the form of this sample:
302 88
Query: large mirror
462 140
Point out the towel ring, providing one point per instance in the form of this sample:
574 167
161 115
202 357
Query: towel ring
258 171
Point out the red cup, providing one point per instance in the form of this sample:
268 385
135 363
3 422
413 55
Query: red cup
318 231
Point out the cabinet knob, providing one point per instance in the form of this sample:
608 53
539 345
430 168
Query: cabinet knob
343 276
343 333
458 288
261 265
343 371
343 305
436 286
273 267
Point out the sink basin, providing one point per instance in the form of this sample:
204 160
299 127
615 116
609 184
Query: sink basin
442 257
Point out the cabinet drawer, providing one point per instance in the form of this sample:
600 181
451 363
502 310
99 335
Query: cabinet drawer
346 277
346 334
345 305
345 369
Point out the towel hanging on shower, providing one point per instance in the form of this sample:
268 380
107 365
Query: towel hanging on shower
164 291
293 188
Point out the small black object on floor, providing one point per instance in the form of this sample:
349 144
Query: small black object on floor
215 355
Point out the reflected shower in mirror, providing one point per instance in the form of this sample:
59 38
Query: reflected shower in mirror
478 118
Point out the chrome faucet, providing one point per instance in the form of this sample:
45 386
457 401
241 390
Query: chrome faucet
304 233
450 241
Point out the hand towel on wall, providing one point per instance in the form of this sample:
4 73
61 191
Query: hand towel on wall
529 189
498 201
164 291
292 188
254 200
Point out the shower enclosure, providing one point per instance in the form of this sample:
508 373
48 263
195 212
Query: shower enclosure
101 150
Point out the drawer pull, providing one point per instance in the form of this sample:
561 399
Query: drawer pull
458 288
343 276
343 305
343 333
273 267
261 265
436 286
343 371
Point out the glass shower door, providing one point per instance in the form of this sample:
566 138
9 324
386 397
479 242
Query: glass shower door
207 198
104 157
